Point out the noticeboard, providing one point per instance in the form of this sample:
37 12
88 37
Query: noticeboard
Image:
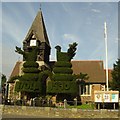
106 96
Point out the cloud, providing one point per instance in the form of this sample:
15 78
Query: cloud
70 37
95 11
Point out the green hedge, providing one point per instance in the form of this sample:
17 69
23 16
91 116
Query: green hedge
45 73
32 54
62 70
62 56
63 64
31 86
62 87
12 79
62 77
31 70
30 64
29 77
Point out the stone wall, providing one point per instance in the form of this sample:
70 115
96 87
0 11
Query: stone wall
59 112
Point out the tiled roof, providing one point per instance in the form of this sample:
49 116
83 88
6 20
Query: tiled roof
16 69
94 69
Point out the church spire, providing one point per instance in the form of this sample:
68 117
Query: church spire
38 33
38 30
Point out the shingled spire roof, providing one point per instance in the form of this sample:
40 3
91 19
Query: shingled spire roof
38 29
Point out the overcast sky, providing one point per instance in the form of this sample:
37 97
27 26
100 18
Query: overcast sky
66 22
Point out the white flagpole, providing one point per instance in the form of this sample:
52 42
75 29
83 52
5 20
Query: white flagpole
106 51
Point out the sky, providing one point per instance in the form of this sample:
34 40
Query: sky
66 22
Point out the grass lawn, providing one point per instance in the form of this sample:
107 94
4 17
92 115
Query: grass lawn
83 106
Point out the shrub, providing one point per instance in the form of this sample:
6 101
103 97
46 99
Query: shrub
30 64
62 77
62 56
62 87
31 86
62 70
63 64
31 70
29 77
45 73
11 80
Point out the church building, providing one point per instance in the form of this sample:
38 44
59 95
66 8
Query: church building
37 36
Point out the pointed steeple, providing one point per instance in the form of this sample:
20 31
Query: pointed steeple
37 35
38 30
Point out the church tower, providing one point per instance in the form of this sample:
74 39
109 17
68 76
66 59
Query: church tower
37 36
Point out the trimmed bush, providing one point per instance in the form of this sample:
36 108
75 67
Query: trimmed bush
12 79
62 70
31 70
45 73
63 64
30 64
31 86
62 77
29 77
62 87
62 56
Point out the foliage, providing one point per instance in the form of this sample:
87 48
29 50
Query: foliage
71 50
66 56
28 56
62 77
68 87
31 70
81 76
62 56
29 77
63 64
12 79
62 70
30 64
116 76
29 86
45 73
3 80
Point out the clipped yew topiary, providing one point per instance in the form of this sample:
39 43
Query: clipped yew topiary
62 80
62 70
29 81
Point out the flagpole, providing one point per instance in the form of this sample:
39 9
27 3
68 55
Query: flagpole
106 51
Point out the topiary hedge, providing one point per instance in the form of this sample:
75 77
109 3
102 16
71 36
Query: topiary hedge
62 77
62 70
12 79
31 70
63 64
62 87
31 86
30 64
29 77
62 56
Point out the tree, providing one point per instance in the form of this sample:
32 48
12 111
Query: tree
28 82
3 85
3 80
62 82
80 79
116 76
